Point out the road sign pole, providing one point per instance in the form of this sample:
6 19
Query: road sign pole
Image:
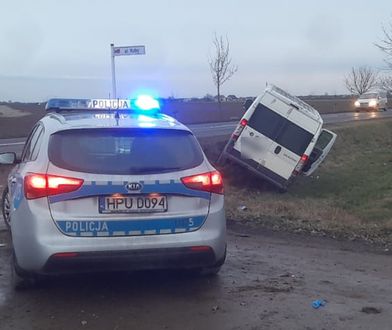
122 51
114 92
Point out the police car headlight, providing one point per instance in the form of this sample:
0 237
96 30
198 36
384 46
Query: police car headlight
357 104
372 103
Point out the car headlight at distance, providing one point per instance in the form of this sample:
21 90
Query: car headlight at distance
372 103
357 104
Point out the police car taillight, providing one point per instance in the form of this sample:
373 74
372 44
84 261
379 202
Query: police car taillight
240 127
42 185
210 181
302 162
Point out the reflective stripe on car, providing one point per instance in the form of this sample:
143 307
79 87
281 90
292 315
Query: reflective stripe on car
130 227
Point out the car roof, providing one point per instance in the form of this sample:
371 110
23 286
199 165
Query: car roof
63 120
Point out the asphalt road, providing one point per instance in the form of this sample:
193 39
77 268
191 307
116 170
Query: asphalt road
268 282
226 128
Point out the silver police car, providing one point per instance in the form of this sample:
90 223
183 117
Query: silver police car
112 185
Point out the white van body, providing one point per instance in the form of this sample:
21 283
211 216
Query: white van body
376 101
278 138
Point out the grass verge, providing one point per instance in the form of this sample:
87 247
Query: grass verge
349 196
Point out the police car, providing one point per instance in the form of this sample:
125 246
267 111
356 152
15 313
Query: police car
112 185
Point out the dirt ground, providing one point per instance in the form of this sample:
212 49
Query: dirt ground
268 282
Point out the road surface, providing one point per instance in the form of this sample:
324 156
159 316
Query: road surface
226 128
268 282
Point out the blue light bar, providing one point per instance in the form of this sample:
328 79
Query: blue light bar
88 104
146 102
67 104
143 103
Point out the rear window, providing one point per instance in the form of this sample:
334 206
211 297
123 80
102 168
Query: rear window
294 138
124 151
323 140
266 121
280 129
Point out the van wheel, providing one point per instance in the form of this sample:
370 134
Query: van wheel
20 280
6 207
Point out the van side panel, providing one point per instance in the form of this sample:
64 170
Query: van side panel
279 131
275 141
307 123
275 104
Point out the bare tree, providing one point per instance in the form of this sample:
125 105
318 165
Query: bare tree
220 65
385 83
360 80
386 44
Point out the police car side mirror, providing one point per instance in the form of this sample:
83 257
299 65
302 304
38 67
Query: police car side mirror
8 158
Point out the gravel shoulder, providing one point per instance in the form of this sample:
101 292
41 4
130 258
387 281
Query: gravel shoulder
269 282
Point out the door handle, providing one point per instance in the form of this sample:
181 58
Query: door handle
277 149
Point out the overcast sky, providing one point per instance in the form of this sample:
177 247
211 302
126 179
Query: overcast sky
53 48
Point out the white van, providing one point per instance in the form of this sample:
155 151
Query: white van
279 137
375 101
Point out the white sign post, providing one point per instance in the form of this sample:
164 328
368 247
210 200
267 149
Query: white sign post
123 51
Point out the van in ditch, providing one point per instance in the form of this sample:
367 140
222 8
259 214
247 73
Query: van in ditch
278 138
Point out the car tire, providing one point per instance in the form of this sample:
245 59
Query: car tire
20 280
6 207
210 271
213 270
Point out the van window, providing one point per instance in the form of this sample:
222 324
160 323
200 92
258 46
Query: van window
280 129
323 140
266 121
294 138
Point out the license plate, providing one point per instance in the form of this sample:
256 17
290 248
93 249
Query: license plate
132 204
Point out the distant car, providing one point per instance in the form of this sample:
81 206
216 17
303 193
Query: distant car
101 189
375 101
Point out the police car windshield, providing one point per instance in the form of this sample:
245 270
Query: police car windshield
124 151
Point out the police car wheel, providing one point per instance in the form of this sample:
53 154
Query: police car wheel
20 280
211 271
6 207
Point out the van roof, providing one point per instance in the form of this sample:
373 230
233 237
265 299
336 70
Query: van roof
300 105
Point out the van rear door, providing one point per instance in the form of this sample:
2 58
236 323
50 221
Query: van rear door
321 149
276 136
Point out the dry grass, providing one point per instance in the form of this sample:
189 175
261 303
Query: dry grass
350 195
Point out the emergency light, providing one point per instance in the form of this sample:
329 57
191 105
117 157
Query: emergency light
142 104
